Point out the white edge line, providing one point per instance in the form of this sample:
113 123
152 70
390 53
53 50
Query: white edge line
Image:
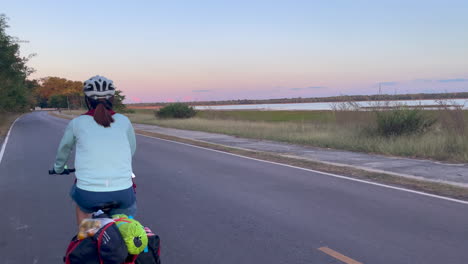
6 140
319 172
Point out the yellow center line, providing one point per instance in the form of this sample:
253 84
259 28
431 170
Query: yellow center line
338 256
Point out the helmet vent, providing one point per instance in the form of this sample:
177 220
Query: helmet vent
98 86
89 87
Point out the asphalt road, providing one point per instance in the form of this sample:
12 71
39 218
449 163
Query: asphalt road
210 207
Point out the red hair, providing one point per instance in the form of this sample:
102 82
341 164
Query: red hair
102 111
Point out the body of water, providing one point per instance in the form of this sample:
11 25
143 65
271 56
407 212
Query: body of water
330 106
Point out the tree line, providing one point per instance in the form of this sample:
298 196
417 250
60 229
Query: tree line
15 89
59 92
19 94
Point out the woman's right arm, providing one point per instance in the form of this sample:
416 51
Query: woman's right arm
65 148
131 138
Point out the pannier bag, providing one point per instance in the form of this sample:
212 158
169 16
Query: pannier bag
82 251
102 246
152 254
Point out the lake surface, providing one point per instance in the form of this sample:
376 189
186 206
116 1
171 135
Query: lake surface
330 105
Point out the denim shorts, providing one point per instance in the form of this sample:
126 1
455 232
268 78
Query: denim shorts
87 200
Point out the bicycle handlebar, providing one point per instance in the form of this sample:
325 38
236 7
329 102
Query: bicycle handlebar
65 171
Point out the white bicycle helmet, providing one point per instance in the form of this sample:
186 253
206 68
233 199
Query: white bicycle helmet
98 87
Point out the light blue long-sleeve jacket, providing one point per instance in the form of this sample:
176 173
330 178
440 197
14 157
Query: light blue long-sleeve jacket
103 158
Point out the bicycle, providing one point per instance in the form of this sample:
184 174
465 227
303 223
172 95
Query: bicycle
88 244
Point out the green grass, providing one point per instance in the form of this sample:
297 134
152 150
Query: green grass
349 130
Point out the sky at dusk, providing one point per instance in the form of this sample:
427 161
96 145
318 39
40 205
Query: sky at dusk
218 50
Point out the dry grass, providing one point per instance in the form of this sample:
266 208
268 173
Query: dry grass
435 144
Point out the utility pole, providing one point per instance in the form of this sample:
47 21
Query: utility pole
68 104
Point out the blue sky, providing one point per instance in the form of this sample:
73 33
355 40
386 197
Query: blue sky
215 50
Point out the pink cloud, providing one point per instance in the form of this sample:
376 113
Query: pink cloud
135 99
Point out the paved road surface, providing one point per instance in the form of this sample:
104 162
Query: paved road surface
216 208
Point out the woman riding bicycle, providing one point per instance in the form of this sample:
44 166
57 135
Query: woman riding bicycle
105 143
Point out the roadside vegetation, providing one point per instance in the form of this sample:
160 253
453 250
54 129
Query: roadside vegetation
176 110
440 134
16 91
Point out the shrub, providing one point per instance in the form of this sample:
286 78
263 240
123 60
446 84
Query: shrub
176 110
402 121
